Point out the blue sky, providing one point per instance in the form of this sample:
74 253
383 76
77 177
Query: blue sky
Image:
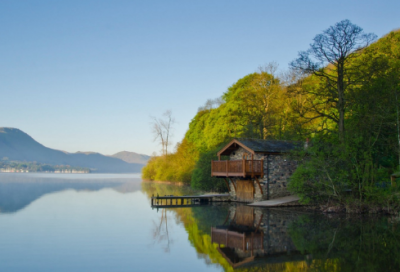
87 75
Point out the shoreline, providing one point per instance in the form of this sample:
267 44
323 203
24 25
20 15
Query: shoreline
342 209
166 182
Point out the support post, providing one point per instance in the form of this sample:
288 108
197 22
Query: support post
227 184
234 186
227 168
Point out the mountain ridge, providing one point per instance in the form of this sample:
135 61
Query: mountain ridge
18 145
131 157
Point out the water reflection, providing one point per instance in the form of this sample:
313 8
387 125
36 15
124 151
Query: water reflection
19 190
161 233
105 229
251 234
253 239
241 238
348 243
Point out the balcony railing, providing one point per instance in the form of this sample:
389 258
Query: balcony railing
237 168
234 239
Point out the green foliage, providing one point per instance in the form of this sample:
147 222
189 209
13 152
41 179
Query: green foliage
252 107
355 168
176 167
323 172
201 177
346 174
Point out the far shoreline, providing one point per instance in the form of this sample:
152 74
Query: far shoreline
166 182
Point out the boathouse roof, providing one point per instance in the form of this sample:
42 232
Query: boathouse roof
259 146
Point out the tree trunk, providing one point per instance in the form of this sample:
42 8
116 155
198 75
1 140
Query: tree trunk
341 101
398 123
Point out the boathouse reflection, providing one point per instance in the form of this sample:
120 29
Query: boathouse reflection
251 235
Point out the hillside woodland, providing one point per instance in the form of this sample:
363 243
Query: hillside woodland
343 97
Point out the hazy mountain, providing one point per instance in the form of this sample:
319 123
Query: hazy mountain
19 146
131 157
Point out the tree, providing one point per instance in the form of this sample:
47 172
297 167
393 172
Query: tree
162 130
268 89
328 58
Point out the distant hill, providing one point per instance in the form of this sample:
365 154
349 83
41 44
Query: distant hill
19 146
131 157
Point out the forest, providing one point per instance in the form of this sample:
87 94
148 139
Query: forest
341 94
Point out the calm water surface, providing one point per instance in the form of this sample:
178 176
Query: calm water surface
95 222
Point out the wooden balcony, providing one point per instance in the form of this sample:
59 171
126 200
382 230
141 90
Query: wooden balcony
235 239
237 168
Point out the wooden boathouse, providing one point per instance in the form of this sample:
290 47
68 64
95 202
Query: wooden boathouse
256 169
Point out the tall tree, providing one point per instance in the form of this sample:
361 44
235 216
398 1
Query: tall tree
267 89
162 130
328 58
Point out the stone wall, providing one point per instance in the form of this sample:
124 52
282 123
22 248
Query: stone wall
277 171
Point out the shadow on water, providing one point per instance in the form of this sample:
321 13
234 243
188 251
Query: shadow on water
18 191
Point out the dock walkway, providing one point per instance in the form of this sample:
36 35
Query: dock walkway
275 202
183 201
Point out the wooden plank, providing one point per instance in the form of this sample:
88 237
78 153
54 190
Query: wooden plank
198 196
179 206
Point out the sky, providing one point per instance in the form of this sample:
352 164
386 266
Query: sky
87 75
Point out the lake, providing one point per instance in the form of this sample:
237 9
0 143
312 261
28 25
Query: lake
104 222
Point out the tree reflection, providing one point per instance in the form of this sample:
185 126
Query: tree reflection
361 243
293 239
161 233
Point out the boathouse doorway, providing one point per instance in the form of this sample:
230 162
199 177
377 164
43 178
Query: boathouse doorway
245 191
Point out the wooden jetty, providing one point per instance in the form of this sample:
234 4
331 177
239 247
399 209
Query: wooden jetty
183 201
